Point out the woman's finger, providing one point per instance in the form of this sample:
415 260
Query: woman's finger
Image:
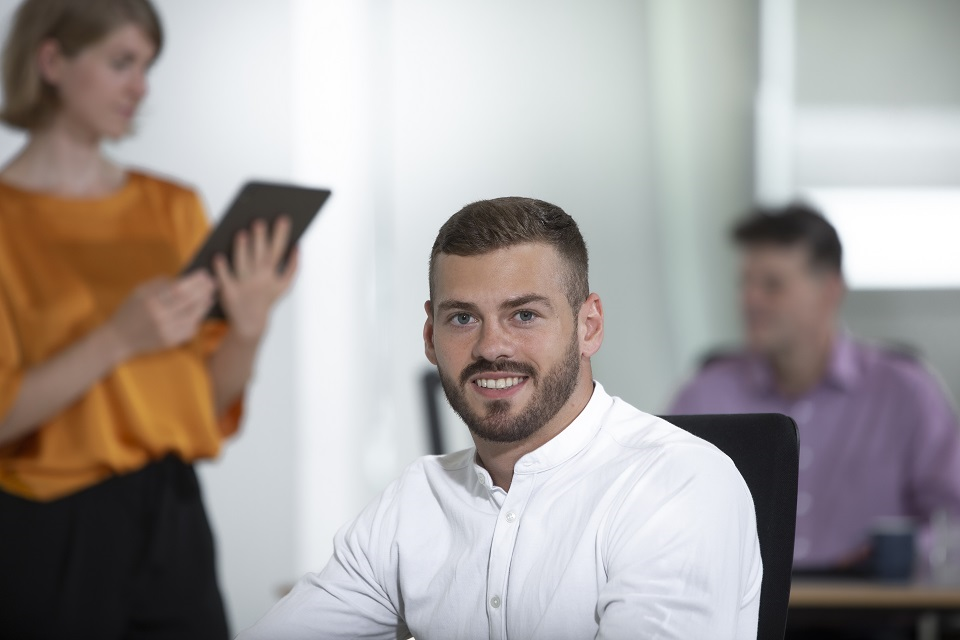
197 275
154 286
197 284
226 282
186 302
279 240
242 260
165 296
189 314
182 329
261 249
290 270
221 271
191 287
196 311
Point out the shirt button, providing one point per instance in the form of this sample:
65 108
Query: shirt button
804 502
527 463
495 602
511 517
801 549
480 478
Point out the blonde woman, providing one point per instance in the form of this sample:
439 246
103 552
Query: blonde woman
111 381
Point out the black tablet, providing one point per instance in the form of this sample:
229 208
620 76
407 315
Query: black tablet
258 201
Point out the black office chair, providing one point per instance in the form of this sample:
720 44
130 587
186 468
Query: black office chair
765 449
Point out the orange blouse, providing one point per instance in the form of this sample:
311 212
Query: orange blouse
65 266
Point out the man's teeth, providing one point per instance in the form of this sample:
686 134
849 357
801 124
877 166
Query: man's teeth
499 383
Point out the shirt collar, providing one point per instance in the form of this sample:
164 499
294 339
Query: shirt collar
843 370
571 440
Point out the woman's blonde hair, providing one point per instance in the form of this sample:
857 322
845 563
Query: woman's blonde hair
28 101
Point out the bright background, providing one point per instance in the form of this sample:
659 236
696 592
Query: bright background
655 123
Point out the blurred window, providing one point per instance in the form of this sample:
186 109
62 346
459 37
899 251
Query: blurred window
895 238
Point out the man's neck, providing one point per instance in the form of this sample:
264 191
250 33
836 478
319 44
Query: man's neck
800 368
500 458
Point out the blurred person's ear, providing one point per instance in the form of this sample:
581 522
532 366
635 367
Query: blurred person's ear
834 288
50 61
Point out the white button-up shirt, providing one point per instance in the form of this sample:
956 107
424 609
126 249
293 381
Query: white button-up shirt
622 526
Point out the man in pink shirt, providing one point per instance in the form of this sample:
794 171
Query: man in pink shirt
878 434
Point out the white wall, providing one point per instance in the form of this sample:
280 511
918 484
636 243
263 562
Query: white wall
704 64
341 390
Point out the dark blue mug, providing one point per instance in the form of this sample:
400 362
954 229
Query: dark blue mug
892 549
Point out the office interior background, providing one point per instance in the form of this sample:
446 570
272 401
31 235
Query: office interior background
655 123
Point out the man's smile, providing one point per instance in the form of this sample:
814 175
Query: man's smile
498 386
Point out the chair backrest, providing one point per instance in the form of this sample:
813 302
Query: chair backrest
765 449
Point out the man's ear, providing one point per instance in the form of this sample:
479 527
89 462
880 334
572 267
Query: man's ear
428 334
590 325
835 289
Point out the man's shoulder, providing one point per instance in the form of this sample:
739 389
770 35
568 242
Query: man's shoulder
438 476
721 383
723 356
449 468
632 428
657 462
639 434
723 363
896 362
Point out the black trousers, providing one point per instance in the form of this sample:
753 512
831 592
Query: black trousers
130 558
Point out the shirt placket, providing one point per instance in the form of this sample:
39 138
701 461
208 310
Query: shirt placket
505 532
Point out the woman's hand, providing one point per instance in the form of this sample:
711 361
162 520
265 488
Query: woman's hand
162 313
159 314
250 289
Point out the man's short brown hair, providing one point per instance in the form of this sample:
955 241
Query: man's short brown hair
489 225
796 224
30 103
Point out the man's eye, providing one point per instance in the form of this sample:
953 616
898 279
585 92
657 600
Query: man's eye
462 318
525 316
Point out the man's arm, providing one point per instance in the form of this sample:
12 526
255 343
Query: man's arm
935 459
682 554
355 594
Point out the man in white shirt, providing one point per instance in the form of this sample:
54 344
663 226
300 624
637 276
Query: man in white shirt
575 516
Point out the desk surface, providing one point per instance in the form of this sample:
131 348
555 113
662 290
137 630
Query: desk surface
836 594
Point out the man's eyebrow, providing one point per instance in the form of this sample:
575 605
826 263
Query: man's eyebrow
458 305
512 303
524 300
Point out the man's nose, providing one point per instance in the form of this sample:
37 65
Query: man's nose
493 341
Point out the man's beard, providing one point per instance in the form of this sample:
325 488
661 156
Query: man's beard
551 393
